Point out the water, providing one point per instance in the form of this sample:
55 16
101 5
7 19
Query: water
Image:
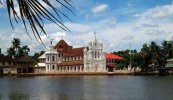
87 88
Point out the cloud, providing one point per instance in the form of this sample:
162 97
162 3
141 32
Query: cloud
128 37
158 12
99 8
155 32
114 34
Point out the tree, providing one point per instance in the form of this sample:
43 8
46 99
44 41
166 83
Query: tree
25 49
16 44
36 55
10 52
16 50
167 51
33 12
145 57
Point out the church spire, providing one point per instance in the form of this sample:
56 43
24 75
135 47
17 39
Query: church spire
95 39
51 42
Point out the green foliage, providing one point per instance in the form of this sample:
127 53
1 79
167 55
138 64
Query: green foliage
126 55
150 56
120 66
16 50
36 55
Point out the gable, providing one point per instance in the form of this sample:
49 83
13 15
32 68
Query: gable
62 46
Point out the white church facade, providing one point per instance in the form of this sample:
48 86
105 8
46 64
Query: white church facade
64 58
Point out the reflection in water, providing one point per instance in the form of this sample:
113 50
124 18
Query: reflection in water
87 88
18 97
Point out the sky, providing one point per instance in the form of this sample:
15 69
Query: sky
117 23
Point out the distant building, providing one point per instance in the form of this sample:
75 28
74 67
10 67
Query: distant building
25 64
111 61
64 58
6 64
169 63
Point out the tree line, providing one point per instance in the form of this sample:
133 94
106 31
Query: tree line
148 58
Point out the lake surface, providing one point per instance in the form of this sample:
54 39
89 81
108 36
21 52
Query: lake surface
87 88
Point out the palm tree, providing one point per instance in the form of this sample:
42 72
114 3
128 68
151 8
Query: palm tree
33 12
11 52
155 53
16 43
167 50
16 50
25 50
145 54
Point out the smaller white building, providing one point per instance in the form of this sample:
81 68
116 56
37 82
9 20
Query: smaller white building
51 59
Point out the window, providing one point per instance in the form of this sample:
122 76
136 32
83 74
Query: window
53 67
9 63
47 66
53 58
98 54
92 54
67 59
47 58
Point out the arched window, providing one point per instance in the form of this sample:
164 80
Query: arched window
48 67
53 58
95 54
53 67
98 54
47 58
92 54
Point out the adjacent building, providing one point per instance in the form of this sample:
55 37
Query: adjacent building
6 64
111 61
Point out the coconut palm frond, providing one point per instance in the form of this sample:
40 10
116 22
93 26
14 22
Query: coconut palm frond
34 13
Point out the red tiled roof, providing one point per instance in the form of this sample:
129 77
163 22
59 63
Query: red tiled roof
113 56
70 63
62 46
74 52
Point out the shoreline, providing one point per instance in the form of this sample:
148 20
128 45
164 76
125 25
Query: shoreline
89 74
72 74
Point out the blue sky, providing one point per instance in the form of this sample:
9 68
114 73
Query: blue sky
116 22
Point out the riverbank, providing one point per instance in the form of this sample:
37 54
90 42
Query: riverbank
87 73
116 72
70 73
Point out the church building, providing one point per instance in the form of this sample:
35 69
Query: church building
64 58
